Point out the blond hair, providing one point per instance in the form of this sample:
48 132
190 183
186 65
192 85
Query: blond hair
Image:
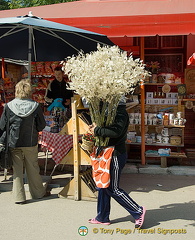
23 89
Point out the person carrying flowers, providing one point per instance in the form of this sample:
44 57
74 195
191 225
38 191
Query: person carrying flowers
117 133
103 77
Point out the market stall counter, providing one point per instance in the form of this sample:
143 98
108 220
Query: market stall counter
58 144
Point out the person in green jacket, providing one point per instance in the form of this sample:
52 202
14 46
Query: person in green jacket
117 132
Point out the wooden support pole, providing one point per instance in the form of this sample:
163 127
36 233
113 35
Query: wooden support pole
77 187
3 68
163 161
143 161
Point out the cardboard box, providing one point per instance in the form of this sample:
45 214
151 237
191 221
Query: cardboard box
174 95
149 101
174 101
149 95
169 101
169 95
162 100
155 101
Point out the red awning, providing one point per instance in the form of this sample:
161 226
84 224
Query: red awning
120 18
177 24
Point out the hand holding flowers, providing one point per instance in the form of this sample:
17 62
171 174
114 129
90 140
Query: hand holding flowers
92 127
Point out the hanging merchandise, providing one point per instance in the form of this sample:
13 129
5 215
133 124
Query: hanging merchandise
189 105
166 88
48 69
181 88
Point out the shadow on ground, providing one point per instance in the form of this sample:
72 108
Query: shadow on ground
175 211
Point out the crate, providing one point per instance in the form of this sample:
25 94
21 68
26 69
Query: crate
175 132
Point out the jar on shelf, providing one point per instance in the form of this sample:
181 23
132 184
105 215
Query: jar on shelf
153 136
179 115
171 118
166 119
158 138
154 78
176 121
181 121
165 139
149 140
159 94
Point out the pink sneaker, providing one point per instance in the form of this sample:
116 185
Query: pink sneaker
139 222
94 221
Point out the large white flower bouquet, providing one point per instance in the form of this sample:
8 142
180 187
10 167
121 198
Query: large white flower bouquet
102 77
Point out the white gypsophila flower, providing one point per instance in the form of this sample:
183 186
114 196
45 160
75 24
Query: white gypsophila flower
104 73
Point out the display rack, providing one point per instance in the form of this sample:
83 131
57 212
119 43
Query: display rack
179 107
82 185
7 89
42 73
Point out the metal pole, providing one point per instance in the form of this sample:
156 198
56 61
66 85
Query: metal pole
29 51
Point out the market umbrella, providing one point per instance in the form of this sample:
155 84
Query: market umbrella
35 39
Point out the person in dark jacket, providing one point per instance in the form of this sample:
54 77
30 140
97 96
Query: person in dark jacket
25 120
58 89
117 132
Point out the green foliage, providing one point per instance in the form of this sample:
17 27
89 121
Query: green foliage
4 5
33 3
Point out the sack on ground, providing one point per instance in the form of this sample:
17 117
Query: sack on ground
101 166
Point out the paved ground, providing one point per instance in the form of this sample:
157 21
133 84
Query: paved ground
169 199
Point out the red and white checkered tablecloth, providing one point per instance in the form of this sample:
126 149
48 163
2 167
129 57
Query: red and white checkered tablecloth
58 144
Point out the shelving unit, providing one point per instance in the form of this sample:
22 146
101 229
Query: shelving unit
7 90
189 99
160 84
152 128
42 73
40 86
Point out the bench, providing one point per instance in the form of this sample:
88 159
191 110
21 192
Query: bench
163 159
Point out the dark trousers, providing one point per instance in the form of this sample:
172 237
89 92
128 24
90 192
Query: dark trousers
105 194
